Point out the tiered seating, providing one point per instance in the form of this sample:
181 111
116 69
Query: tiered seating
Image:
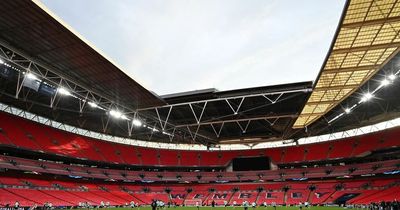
38 197
128 154
365 145
113 199
77 191
208 158
9 125
189 158
275 154
271 197
297 193
377 196
320 195
106 150
147 198
294 154
43 140
90 197
168 158
337 194
148 156
342 149
178 194
58 168
324 193
9 198
219 197
37 182
11 181
18 132
387 139
69 198
225 157
240 197
4 139
317 151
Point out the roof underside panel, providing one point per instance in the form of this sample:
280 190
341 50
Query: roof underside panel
367 39
33 31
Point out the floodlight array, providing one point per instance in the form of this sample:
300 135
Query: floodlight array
388 80
63 91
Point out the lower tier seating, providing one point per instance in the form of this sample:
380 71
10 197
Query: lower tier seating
290 193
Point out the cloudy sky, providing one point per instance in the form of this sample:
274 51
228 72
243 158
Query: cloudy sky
172 46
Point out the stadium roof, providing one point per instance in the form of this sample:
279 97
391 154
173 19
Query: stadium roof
28 27
367 38
39 44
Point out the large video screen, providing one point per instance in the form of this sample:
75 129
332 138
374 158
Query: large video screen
251 163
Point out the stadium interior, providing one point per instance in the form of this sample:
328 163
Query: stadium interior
74 128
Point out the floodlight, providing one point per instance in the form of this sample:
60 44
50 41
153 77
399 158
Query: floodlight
366 97
124 117
115 113
136 122
347 110
92 104
385 82
1 61
31 76
392 77
64 91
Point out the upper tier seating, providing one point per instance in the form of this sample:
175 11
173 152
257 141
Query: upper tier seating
22 133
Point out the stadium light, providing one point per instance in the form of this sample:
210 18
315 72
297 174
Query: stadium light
115 113
1 61
92 104
63 91
366 97
136 122
31 76
385 82
392 77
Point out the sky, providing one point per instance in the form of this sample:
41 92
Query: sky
172 46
